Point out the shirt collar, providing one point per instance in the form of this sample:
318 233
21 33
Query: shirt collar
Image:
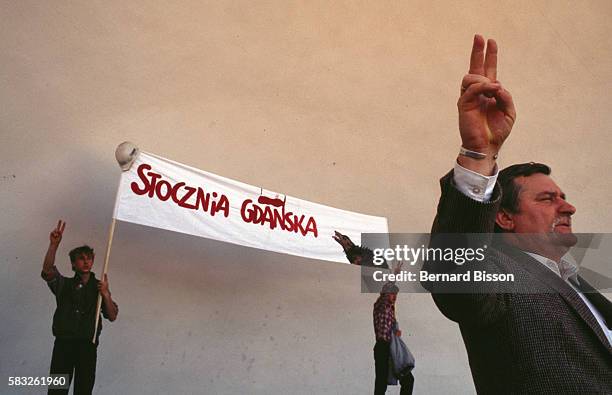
566 268
78 279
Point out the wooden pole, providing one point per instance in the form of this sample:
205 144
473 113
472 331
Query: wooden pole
104 271
120 155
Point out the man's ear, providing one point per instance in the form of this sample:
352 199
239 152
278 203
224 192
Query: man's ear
505 220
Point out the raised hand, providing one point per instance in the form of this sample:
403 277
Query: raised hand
398 267
55 237
343 240
486 109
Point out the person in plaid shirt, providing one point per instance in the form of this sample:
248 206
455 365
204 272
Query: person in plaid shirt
384 312
383 317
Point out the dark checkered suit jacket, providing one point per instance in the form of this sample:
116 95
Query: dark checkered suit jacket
522 343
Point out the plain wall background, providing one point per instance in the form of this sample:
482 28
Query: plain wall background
348 104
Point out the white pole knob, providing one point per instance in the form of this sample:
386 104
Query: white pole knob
126 153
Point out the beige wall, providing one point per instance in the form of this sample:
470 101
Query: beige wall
341 103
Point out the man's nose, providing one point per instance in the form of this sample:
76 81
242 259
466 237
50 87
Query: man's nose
567 208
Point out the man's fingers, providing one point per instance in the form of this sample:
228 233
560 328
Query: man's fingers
505 103
339 241
470 79
479 88
477 56
490 61
482 63
63 227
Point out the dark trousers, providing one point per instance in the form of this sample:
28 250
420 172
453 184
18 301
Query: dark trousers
78 356
381 363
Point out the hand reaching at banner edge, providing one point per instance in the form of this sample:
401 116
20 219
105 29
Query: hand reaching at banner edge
343 240
356 255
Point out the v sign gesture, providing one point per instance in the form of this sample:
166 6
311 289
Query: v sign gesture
486 109
56 234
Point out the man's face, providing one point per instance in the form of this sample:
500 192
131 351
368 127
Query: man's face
83 263
544 210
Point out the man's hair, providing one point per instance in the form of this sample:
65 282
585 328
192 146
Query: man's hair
85 250
510 190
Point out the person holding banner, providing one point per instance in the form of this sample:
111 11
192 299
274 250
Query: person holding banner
74 318
384 324
383 319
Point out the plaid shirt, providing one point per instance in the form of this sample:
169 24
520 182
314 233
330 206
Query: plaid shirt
384 318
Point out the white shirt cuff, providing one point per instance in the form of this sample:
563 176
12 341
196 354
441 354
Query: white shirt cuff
474 185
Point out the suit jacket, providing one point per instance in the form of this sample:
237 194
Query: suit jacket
520 342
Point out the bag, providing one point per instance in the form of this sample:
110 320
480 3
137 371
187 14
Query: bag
402 360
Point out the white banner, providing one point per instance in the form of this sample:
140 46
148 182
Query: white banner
165 194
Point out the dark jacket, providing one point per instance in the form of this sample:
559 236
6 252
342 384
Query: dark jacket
75 315
521 342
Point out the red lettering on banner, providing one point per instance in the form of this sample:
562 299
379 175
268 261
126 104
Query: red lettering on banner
271 214
158 190
274 202
175 189
252 213
164 190
186 196
203 199
149 185
311 226
221 205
